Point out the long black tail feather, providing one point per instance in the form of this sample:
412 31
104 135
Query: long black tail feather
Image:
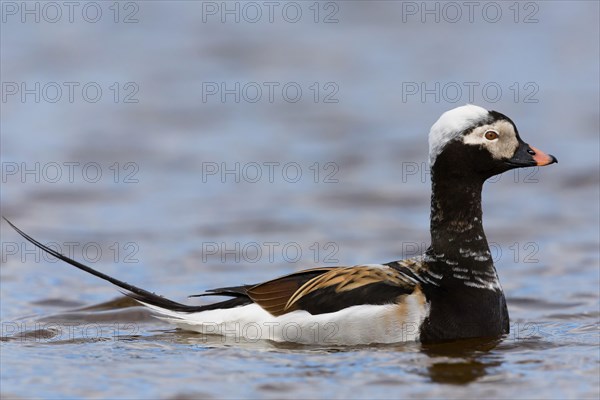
134 291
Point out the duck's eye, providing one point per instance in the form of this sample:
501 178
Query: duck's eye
491 135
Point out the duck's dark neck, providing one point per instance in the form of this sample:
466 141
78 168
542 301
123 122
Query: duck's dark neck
456 221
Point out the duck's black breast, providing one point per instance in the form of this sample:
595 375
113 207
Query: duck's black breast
458 311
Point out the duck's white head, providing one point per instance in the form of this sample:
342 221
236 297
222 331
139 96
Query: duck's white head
487 138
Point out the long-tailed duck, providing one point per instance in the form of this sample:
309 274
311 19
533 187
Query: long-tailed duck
450 292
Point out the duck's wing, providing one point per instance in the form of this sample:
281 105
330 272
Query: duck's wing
317 290
333 289
291 281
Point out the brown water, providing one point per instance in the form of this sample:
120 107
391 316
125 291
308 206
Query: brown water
180 229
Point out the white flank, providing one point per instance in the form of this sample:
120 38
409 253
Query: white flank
450 125
364 324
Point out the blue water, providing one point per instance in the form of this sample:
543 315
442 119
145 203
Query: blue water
162 216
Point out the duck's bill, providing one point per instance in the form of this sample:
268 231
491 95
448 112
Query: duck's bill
529 156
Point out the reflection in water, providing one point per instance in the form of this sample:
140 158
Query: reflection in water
461 362
114 304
